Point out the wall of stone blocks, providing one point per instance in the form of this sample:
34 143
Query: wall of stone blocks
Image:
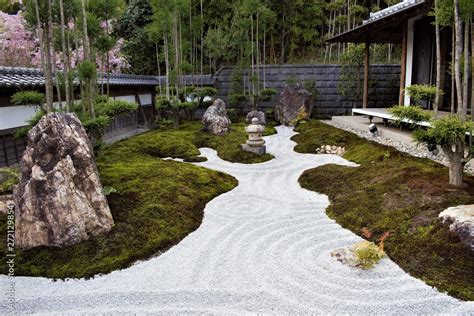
383 92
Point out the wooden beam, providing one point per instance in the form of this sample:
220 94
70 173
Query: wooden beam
365 100
403 69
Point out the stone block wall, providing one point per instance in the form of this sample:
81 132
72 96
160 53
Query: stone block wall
384 86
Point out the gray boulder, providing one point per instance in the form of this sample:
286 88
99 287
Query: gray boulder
294 104
257 114
461 221
215 119
59 199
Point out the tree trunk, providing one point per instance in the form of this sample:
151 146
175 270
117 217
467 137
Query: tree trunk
465 83
263 62
53 56
438 63
108 73
257 58
167 66
202 41
176 51
108 60
453 81
47 69
65 58
87 56
39 31
472 69
457 62
455 154
251 54
158 65
69 79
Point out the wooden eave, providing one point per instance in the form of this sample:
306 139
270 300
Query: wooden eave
388 29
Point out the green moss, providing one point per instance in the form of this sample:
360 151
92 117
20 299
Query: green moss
156 204
227 146
392 191
8 178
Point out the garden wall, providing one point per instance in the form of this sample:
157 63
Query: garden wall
384 86
11 148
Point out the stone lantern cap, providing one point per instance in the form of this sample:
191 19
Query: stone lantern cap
255 127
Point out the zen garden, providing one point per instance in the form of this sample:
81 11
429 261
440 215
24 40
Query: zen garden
237 157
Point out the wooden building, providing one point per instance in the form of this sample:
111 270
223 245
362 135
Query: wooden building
136 88
409 25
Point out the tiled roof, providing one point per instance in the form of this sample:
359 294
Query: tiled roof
31 77
205 80
392 10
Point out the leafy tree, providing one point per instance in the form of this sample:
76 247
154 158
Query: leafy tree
448 132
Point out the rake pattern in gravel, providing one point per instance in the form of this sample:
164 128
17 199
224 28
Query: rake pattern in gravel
263 247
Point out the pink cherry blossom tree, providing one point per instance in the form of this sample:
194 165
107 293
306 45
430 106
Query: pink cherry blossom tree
19 47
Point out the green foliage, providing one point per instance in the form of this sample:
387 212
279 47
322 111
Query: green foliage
236 87
10 6
104 43
291 80
205 92
399 193
232 115
413 115
310 85
367 254
28 98
162 102
113 108
350 77
445 130
267 93
95 126
422 92
9 177
109 190
236 99
86 70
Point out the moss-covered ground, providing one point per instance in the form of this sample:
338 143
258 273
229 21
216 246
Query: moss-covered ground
156 204
392 191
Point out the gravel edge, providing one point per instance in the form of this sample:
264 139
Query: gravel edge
416 150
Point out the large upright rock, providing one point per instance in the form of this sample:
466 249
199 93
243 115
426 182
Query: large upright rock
293 105
59 199
215 118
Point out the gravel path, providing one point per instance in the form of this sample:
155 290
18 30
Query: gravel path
263 247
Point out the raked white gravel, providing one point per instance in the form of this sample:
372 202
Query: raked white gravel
263 247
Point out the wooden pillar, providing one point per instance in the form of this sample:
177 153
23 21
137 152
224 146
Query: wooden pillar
365 100
403 69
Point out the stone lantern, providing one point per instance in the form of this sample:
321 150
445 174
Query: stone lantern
255 143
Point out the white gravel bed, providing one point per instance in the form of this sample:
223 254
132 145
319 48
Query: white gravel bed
263 247
416 150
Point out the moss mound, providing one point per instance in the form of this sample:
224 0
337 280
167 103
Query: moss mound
392 191
227 146
156 204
